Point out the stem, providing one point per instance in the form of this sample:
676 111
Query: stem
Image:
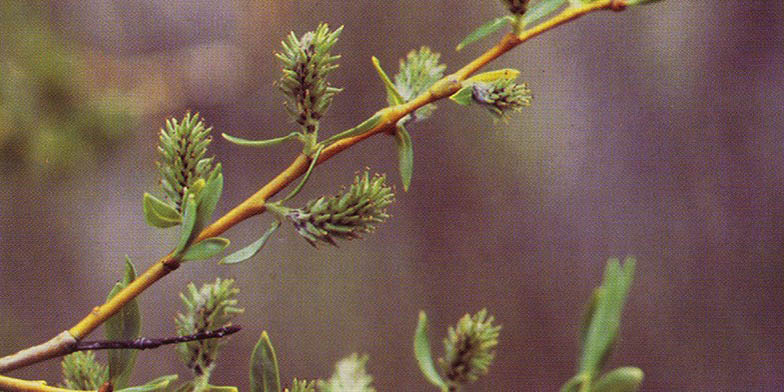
15 384
145 343
254 205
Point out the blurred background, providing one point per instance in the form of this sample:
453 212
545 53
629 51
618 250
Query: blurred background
655 132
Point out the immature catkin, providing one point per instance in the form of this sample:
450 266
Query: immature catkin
182 147
346 215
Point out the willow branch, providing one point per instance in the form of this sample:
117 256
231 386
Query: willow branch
255 204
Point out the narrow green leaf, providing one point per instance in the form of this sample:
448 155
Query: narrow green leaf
405 154
205 249
485 30
305 177
124 325
464 96
252 249
607 317
623 379
208 199
393 96
358 130
588 313
158 213
423 356
158 384
573 384
262 143
188 221
540 10
214 388
264 375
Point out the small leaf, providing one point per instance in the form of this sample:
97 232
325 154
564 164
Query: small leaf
590 310
208 199
574 383
358 130
423 356
197 186
158 213
485 30
623 379
464 96
405 153
540 10
205 249
607 317
188 221
393 96
305 177
262 143
123 325
264 375
214 388
492 76
158 384
252 249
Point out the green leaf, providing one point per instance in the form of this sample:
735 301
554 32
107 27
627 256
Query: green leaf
358 130
262 143
264 375
464 96
188 221
205 249
485 30
623 379
393 96
158 384
158 213
214 388
540 10
208 199
574 383
305 177
123 325
252 249
405 154
423 356
607 317
590 310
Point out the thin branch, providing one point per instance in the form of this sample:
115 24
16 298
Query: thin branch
15 384
142 343
254 205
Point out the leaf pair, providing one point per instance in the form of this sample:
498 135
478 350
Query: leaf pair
124 325
599 331
198 209
405 149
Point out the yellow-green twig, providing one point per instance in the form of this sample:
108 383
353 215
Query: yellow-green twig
254 205
14 384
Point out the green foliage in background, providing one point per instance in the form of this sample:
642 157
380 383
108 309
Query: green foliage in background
51 119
